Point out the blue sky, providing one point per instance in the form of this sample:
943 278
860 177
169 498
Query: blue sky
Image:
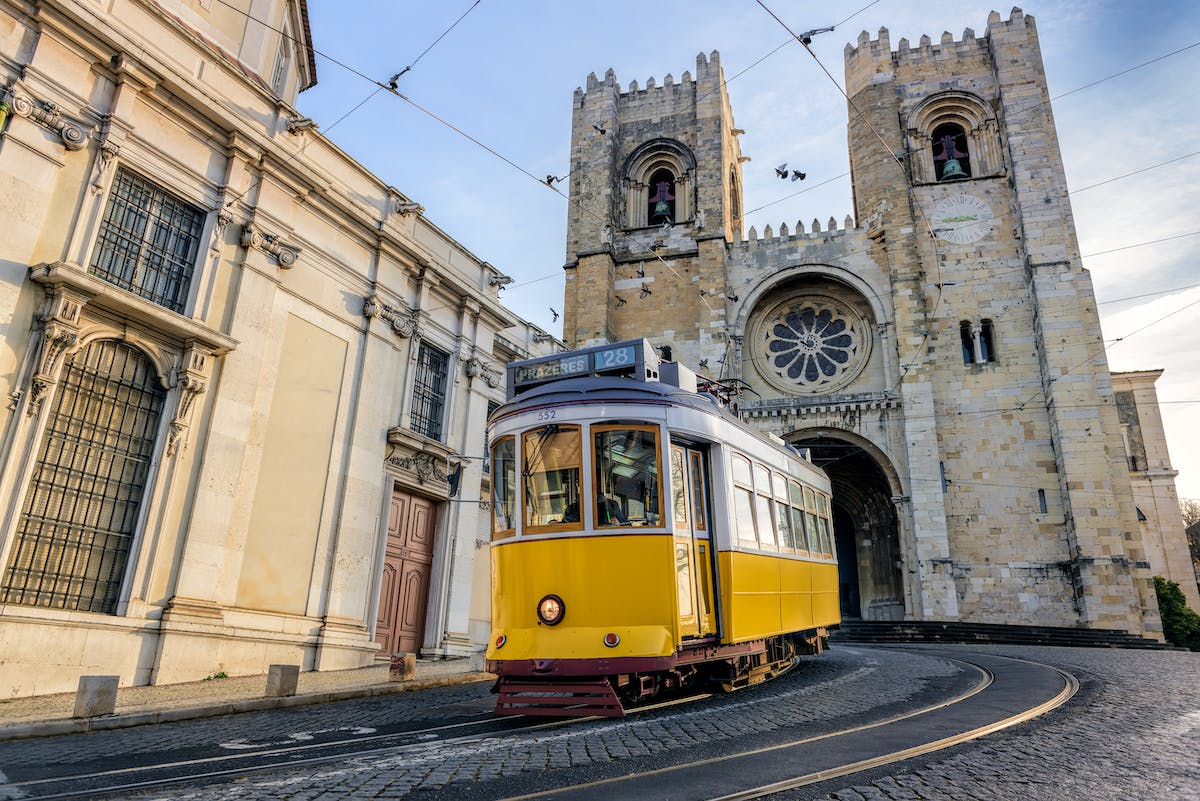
506 73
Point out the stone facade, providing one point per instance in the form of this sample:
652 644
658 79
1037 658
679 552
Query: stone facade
1153 479
939 354
228 352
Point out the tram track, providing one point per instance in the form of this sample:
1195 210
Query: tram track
1005 692
245 763
710 778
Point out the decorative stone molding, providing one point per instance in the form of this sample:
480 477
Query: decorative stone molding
224 218
60 321
412 458
106 157
191 377
271 244
46 114
475 366
404 320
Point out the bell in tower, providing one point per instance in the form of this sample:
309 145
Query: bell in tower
954 161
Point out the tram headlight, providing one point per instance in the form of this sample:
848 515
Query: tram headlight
550 610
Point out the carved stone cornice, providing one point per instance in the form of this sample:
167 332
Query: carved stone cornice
191 377
404 320
73 134
419 461
271 244
65 275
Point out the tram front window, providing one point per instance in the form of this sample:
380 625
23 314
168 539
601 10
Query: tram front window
627 477
551 469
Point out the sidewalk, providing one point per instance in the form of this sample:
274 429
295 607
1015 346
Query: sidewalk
48 715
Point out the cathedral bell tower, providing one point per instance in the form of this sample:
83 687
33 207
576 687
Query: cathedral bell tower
655 195
955 159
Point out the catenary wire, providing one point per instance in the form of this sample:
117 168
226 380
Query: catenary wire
542 182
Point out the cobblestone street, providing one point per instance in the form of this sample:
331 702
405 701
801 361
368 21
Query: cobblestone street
1133 731
1121 736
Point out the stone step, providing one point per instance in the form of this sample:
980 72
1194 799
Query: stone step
961 632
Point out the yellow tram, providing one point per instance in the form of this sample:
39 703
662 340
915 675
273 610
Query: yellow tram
644 538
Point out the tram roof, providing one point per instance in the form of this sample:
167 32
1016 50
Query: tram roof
616 389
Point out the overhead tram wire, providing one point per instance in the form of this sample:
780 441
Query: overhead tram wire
382 86
916 202
725 82
297 41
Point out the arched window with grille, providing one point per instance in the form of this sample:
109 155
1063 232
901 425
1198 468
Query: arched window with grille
75 533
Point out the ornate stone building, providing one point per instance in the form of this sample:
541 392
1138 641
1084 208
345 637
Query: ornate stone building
940 354
237 367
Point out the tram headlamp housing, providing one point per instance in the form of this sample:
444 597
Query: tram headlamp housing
550 610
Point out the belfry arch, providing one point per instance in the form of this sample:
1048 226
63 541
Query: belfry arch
866 523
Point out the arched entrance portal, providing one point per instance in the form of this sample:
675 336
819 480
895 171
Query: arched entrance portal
870 565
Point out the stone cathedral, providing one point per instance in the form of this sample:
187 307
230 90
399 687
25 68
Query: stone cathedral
939 354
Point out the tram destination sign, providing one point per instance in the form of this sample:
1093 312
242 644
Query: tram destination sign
634 357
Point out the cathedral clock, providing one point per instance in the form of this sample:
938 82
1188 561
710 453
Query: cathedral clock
962 219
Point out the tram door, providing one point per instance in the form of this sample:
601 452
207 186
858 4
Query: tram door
693 542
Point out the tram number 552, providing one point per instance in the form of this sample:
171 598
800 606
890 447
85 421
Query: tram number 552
547 414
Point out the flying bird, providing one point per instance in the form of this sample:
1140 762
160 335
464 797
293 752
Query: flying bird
550 180
620 301
781 170
599 130
553 312
798 176
645 290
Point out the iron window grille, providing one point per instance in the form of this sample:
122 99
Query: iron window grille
429 391
148 241
77 523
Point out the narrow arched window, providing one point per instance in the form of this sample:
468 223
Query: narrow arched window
75 533
987 342
661 207
967 336
950 155
735 199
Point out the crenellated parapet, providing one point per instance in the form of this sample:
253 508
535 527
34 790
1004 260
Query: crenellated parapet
788 235
870 61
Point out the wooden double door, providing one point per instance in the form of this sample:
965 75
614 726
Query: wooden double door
407 565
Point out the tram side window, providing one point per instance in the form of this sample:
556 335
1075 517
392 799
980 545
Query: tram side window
504 487
823 522
552 459
766 521
627 476
810 520
743 501
782 516
797 498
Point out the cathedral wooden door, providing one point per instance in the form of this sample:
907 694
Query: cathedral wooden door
404 591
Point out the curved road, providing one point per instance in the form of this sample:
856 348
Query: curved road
1132 729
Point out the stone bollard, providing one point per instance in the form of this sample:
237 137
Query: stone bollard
97 695
403 667
282 680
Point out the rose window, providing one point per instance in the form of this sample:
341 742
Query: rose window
813 344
